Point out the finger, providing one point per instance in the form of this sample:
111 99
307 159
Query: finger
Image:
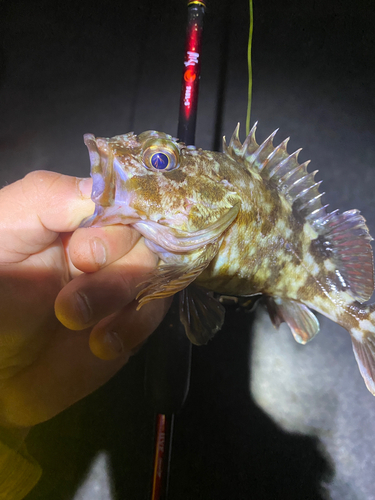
65 373
35 209
73 271
31 397
93 248
122 332
91 297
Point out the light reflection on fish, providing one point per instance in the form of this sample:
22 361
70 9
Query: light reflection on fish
243 222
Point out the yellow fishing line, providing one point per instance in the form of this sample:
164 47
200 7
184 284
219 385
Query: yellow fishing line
250 71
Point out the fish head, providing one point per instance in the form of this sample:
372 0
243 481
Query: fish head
158 185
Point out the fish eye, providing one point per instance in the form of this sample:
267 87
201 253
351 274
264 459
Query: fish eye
160 160
160 157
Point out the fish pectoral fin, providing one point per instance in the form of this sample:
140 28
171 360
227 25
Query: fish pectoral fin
302 322
201 314
214 219
169 279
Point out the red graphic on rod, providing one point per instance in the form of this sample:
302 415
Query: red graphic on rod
190 80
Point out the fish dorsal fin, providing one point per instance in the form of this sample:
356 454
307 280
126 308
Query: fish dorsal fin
342 237
345 238
282 169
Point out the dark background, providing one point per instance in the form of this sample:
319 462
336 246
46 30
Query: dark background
265 417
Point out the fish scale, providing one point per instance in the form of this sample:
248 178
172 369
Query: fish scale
248 221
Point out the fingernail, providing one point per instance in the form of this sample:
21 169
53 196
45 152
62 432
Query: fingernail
83 306
113 342
85 187
98 251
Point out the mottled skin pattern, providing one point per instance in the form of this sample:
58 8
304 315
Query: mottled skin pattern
268 250
226 222
254 256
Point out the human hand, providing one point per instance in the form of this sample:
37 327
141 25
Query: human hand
89 277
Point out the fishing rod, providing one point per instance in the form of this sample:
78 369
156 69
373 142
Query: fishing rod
167 375
192 67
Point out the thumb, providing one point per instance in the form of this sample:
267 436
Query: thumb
37 208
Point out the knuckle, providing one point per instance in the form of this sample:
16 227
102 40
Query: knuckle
36 184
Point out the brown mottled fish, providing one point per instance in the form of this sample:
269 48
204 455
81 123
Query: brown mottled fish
244 222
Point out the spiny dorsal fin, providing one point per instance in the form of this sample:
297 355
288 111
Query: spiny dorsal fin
344 236
235 145
281 168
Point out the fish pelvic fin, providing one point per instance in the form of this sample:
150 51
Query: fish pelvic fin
201 314
363 340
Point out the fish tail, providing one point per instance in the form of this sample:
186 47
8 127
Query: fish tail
363 339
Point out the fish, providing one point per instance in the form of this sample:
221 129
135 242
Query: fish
248 221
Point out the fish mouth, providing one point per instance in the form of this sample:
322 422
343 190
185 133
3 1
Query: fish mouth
109 217
108 209
103 155
101 170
